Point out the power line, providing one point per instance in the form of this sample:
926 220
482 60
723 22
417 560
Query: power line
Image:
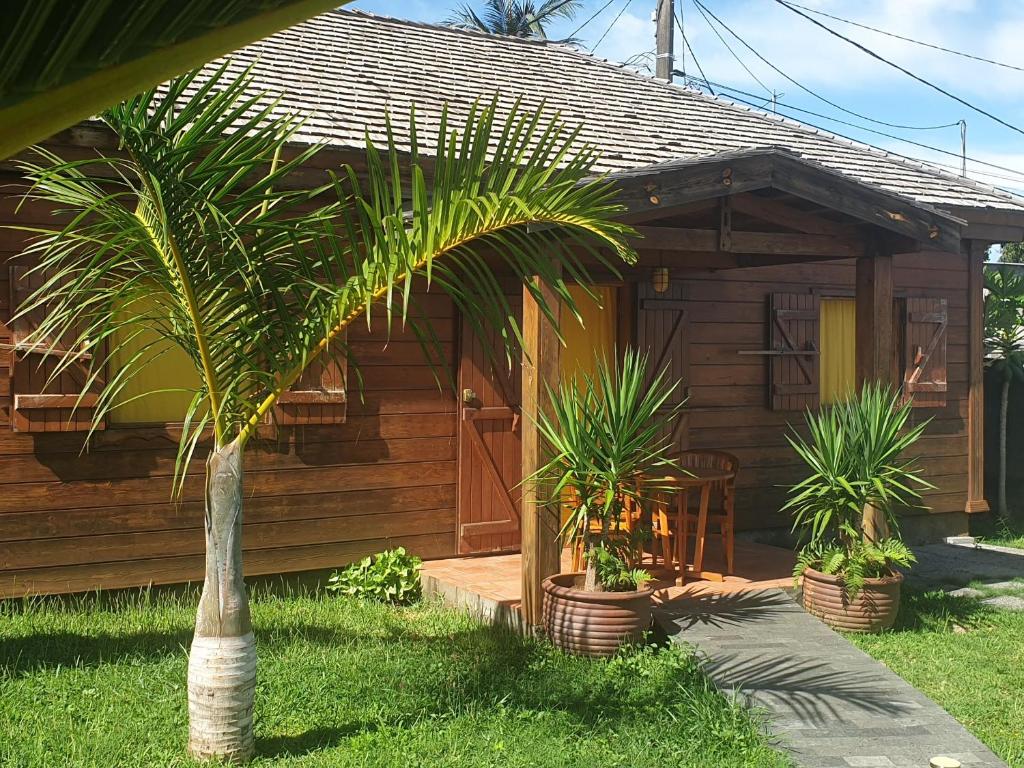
1018 175
905 71
597 13
908 39
614 21
815 94
686 44
771 93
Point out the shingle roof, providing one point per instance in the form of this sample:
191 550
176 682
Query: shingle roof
347 69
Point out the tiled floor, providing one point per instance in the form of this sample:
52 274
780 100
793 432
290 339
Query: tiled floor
495 579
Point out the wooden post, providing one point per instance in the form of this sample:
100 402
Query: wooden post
874 343
541 553
665 40
976 251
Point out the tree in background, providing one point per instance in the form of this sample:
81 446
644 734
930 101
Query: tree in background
189 236
1012 253
518 18
1004 348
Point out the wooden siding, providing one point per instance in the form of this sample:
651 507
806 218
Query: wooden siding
317 496
728 391
321 496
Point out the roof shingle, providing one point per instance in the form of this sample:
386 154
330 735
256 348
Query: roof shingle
347 69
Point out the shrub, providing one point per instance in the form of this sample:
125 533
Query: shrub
392 576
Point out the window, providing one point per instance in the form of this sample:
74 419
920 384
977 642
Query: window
838 363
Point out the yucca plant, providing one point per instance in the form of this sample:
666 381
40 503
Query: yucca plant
195 234
857 454
606 441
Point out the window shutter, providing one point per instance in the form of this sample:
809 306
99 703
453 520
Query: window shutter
41 405
319 396
924 343
794 338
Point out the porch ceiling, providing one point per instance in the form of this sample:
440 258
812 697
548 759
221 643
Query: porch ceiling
661 190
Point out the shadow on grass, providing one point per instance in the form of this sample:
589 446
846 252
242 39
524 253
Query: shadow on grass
937 610
312 740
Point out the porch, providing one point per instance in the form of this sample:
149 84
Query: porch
491 586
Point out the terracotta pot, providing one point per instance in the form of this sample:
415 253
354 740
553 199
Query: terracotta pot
593 623
873 609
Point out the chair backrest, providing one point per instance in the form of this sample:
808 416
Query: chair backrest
709 459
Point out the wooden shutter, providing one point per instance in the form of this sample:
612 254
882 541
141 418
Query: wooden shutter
41 405
794 339
662 333
320 394
924 343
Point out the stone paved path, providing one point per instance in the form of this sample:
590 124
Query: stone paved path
829 703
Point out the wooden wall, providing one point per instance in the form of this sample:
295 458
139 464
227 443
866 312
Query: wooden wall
728 313
318 497
323 496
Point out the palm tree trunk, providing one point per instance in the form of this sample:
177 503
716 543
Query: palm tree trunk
222 665
874 525
1004 407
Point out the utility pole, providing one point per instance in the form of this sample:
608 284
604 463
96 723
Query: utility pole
665 61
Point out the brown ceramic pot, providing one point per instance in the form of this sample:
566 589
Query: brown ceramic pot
593 623
872 610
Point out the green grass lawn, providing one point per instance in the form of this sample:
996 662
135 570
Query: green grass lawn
1002 533
967 657
100 682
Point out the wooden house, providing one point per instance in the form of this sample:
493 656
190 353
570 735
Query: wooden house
779 266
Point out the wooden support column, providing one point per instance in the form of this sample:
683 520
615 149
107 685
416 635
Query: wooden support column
874 344
540 523
975 251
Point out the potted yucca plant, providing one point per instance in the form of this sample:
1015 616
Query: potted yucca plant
845 509
606 437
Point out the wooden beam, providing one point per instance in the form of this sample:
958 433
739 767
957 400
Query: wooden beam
874 317
975 251
768 209
871 205
725 224
540 522
764 243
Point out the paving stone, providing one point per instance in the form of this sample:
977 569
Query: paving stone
830 704
1005 602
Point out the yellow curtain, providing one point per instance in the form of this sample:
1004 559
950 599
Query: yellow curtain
171 370
838 352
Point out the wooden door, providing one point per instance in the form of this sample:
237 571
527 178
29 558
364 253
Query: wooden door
662 334
490 446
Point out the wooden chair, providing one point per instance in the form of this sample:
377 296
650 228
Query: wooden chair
624 527
721 513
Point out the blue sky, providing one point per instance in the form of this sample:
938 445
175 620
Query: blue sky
990 28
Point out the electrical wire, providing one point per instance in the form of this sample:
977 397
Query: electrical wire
907 39
597 13
816 95
1018 176
614 21
905 71
769 91
693 55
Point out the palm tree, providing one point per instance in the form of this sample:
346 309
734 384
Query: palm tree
1004 348
518 18
191 236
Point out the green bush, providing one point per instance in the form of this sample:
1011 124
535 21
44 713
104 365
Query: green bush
392 576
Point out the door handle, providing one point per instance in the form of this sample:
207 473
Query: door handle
468 396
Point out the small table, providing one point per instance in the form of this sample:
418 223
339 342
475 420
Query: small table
681 483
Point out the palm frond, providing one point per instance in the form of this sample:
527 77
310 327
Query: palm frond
194 224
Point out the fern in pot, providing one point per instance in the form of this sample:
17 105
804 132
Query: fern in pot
605 437
846 508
